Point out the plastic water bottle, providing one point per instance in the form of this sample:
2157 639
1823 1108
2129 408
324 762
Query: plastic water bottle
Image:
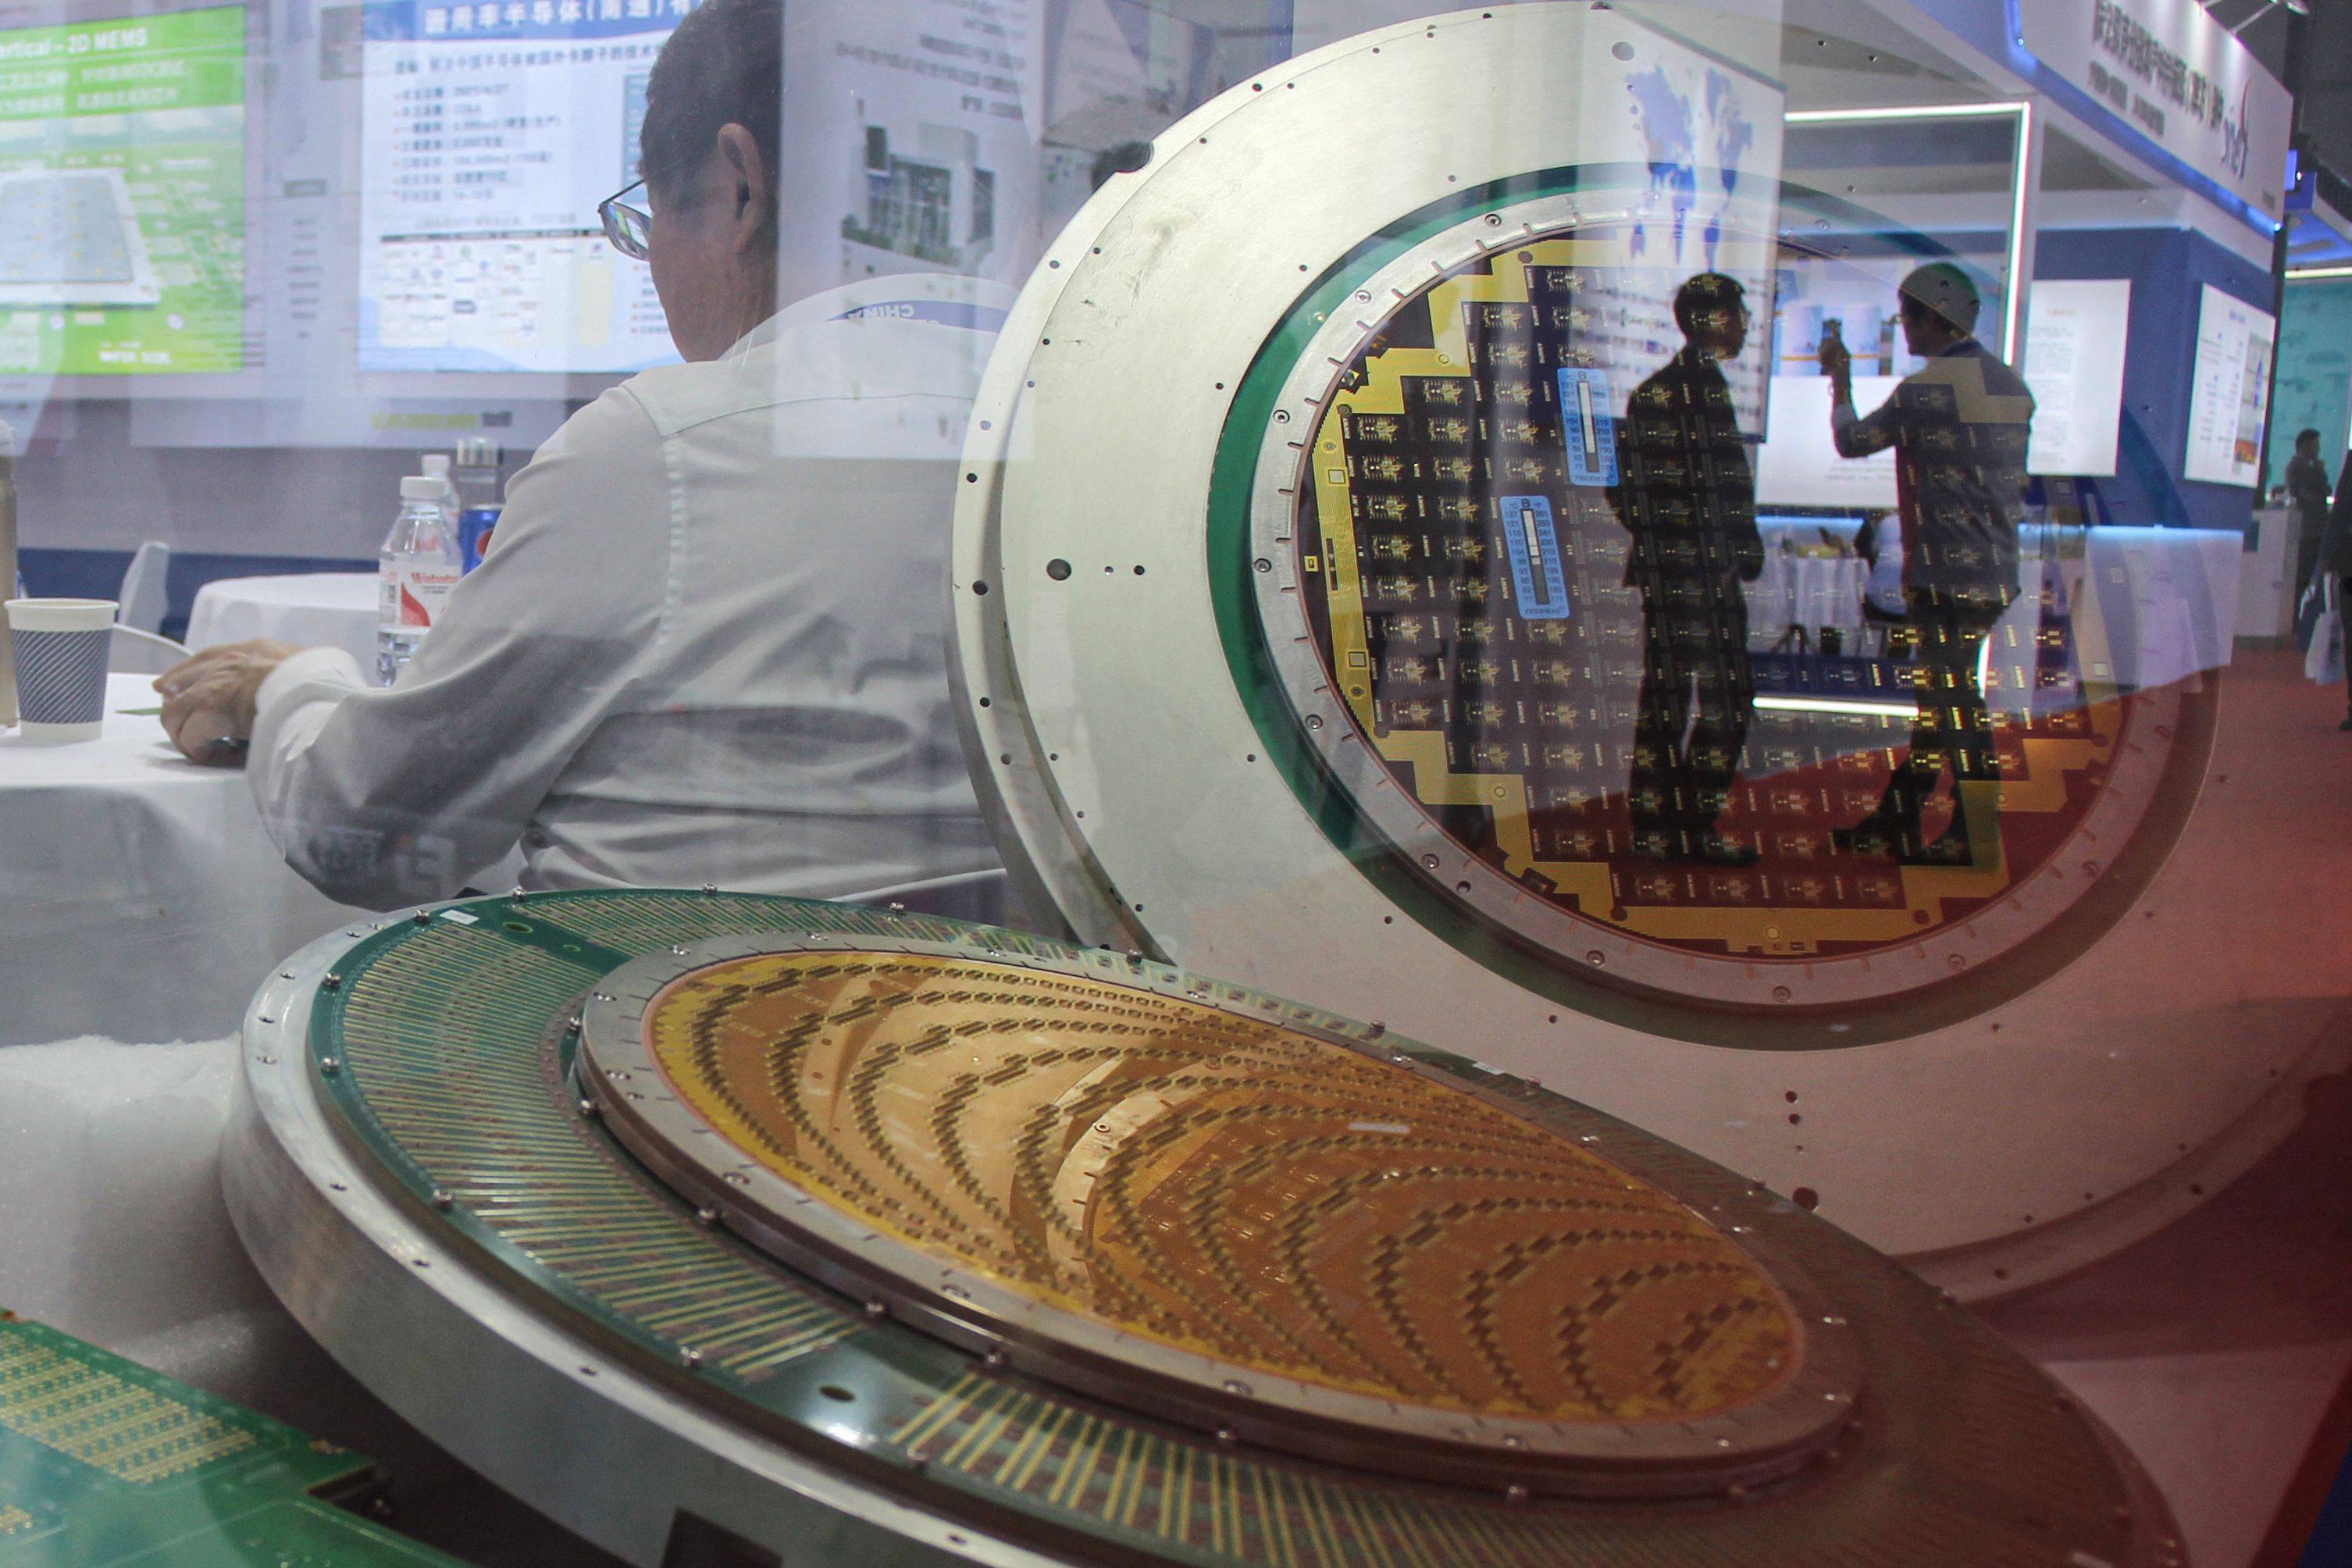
477 498
435 466
414 571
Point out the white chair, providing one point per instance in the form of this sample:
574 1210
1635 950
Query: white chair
145 597
135 652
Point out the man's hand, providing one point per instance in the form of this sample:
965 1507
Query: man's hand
1836 363
208 700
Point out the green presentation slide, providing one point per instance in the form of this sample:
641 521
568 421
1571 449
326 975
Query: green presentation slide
122 196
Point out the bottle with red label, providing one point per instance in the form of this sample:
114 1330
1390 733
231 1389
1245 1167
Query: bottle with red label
415 570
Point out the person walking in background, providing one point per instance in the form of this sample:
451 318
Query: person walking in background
2335 559
2306 495
1958 428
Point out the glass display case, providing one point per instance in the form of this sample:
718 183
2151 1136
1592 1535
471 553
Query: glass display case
1210 780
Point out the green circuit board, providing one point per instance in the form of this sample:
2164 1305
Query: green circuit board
105 1463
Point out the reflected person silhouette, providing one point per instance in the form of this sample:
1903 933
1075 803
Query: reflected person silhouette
1958 428
1687 492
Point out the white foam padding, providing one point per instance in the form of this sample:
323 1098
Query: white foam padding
111 1222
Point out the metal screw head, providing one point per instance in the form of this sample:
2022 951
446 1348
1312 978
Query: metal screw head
705 1219
709 887
334 981
1226 1436
423 917
994 1358
442 1200
1515 1492
877 1309
329 1066
689 1357
897 907
520 892
587 1106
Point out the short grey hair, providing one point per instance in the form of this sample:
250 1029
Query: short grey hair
723 66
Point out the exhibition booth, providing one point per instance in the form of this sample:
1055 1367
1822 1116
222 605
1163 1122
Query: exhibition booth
1312 781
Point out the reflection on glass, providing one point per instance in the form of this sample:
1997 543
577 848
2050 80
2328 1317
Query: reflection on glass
1686 494
1958 428
1611 699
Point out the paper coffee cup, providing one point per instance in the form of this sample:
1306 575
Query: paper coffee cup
61 646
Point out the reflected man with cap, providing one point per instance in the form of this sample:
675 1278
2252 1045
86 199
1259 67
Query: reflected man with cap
1958 428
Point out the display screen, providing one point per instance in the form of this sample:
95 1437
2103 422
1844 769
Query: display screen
2074 334
2231 392
122 196
490 134
1799 463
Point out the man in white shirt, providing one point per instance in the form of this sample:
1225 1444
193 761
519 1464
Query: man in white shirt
710 643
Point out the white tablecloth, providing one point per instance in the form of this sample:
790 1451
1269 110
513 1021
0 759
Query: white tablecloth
139 896
316 609
1809 590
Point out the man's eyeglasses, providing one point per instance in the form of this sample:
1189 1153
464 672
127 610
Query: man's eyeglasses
627 224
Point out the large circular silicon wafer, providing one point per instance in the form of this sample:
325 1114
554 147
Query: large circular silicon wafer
1257 1223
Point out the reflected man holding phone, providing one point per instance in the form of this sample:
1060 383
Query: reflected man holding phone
1958 428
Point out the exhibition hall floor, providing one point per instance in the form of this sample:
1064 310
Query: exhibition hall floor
2220 1348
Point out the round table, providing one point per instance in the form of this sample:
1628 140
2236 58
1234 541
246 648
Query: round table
139 897
311 609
